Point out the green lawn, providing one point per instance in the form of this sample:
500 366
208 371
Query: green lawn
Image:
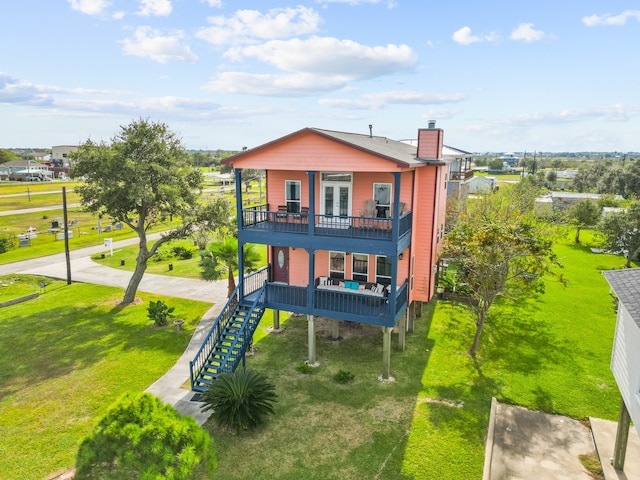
85 233
159 264
66 356
71 352
15 286
551 353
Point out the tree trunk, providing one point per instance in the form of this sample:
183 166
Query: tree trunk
136 278
232 283
482 314
577 239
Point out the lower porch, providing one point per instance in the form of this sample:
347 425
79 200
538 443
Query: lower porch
341 307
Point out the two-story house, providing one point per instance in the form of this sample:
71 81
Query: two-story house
353 224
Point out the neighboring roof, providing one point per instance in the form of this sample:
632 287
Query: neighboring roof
447 150
394 150
626 285
579 195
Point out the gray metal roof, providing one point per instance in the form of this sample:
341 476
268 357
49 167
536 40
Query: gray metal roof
626 285
392 149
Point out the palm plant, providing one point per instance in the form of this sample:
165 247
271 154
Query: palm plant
222 258
240 400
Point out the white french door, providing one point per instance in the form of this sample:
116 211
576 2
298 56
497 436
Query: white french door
336 201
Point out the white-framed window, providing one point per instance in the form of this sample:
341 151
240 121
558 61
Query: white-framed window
360 267
382 193
292 195
336 264
383 270
336 177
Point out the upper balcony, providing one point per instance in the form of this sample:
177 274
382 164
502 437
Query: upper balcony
461 176
264 219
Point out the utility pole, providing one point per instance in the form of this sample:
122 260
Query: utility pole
66 234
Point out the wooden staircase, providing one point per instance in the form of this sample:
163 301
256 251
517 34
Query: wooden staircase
228 340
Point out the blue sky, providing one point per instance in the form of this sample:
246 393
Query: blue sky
495 75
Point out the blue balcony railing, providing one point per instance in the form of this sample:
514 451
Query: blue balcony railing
334 226
341 304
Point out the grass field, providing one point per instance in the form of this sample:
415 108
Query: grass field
550 353
159 264
66 356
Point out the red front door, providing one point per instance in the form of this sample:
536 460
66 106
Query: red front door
280 264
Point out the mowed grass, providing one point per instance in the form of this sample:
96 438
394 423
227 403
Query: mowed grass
85 232
15 286
549 353
66 356
159 264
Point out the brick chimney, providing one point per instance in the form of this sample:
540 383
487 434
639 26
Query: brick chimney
430 141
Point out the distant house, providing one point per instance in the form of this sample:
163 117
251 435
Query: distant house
481 184
60 159
564 200
625 357
460 172
24 170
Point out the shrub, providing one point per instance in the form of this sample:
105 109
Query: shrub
305 368
162 255
240 400
343 376
7 243
141 437
181 252
159 312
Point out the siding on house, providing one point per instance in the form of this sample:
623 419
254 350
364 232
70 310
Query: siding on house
625 356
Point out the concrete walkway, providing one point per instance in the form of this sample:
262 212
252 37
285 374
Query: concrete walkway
525 444
169 387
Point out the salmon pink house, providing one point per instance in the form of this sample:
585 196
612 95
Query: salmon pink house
353 224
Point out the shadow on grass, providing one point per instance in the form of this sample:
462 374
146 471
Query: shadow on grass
62 337
327 430
520 341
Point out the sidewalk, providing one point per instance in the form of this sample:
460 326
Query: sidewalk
169 387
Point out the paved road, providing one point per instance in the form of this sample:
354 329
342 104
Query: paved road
83 269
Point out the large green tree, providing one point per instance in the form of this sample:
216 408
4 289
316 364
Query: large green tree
620 232
142 179
584 213
500 249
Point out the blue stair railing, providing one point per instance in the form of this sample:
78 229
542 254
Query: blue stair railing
227 341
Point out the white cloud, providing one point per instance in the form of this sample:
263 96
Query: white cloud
247 26
389 3
150 43
463 36
330 56
160 8
275 85
617 112
213 3
609 19
526 33
398 97
89 7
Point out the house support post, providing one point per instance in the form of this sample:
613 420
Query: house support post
402 333
386 352
417 309
335 329
622 436
411 318
276 319
312 339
